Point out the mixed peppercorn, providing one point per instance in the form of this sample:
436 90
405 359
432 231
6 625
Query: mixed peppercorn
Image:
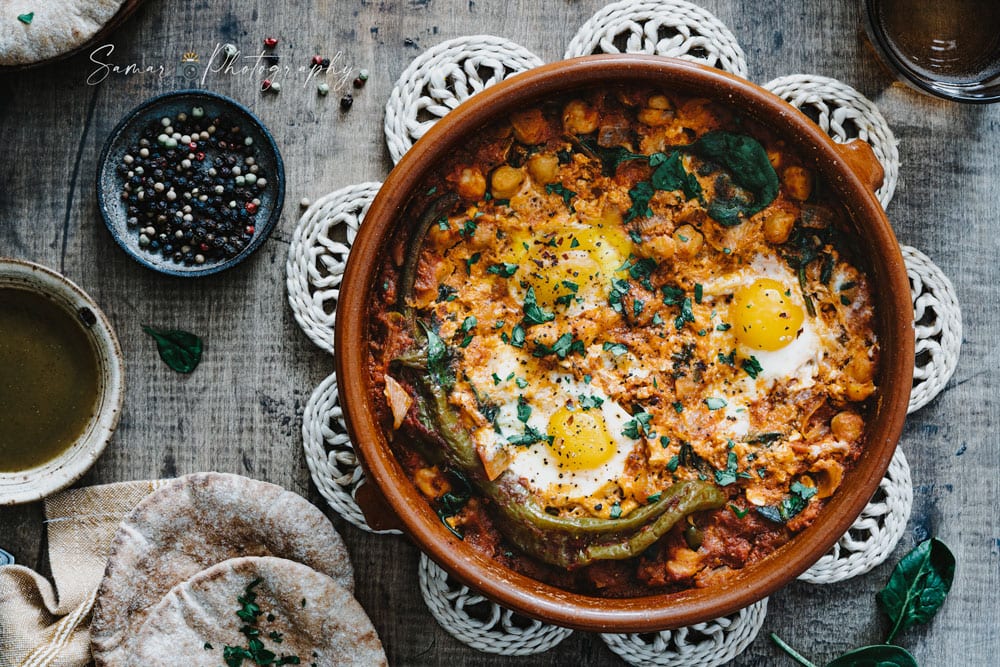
192 188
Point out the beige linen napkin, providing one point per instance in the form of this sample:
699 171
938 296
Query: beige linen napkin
42 627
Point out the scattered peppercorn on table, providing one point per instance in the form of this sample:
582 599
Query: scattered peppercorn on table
240 410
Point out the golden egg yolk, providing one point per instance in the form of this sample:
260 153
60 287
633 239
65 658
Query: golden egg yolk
580 439
559 266
764 317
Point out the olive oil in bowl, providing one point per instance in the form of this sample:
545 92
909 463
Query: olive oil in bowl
50 379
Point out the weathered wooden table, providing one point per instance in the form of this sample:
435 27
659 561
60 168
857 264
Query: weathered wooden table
241 410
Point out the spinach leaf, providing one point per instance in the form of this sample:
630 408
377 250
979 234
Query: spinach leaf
878 655
918 586
610 157
746 162
180 350
669 174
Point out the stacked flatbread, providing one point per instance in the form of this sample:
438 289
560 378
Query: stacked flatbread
216 565
50 27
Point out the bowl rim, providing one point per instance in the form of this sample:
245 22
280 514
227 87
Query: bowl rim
263 231
656 612
60 472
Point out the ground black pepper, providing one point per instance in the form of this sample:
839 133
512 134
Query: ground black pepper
191 187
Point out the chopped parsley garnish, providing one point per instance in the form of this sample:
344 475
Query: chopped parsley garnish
573 288
523 409
589 402
249 612
616 511
714 403
671 295
562 348
699 292
655 497
617 349
504 269
468 228
725 326
763 438
740 513
687 314
635 236
664 441
521 382
496 379
619 288
727 359
751 366
638 426
561 190
469 323
637 307
673 463
472 260
443 224
678 407
657 319
517 336
727 476
447 293
533 313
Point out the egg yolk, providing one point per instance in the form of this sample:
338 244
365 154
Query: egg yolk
580 439
764 317
559 266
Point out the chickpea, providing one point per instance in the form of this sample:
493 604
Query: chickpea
660 247
543 167
655 117
861 369
579 117
847 426
471 184
778 226
688 241
506 181
798 182
529 126
859 391
661 102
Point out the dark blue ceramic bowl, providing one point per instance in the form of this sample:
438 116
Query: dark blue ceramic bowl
126 135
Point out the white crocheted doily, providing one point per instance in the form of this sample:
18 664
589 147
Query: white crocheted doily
874 534
937 322
700 645
662 27
475 621
844 114
317 257
436 82
444 76
330 456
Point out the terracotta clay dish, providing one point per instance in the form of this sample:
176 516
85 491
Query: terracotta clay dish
849 174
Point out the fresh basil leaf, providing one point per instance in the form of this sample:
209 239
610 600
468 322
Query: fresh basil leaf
180 350
747 163
878 655
918 586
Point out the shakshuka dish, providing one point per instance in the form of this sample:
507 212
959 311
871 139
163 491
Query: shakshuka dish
619 343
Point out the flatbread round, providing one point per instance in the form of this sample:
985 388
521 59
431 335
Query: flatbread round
191 524
315 619
56 27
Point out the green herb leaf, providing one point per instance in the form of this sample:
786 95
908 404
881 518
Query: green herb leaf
589 402
533 313
517 336
472 260
561 190
437 357
180 350
616 511
504 269
670 175
878 655
747 163
562 348
727 476
26 19
918 586
714 403
640 194
740 513
523 410
610 157
752 367
616 349
638 425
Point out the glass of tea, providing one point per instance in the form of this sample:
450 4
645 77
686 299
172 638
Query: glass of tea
948 48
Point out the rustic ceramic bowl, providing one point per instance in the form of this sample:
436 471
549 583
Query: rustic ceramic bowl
36 483
851 170
127 134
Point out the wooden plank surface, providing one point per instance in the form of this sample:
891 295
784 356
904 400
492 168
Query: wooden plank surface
241 410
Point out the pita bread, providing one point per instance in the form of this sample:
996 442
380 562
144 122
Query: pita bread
193 523
58 26
318 620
